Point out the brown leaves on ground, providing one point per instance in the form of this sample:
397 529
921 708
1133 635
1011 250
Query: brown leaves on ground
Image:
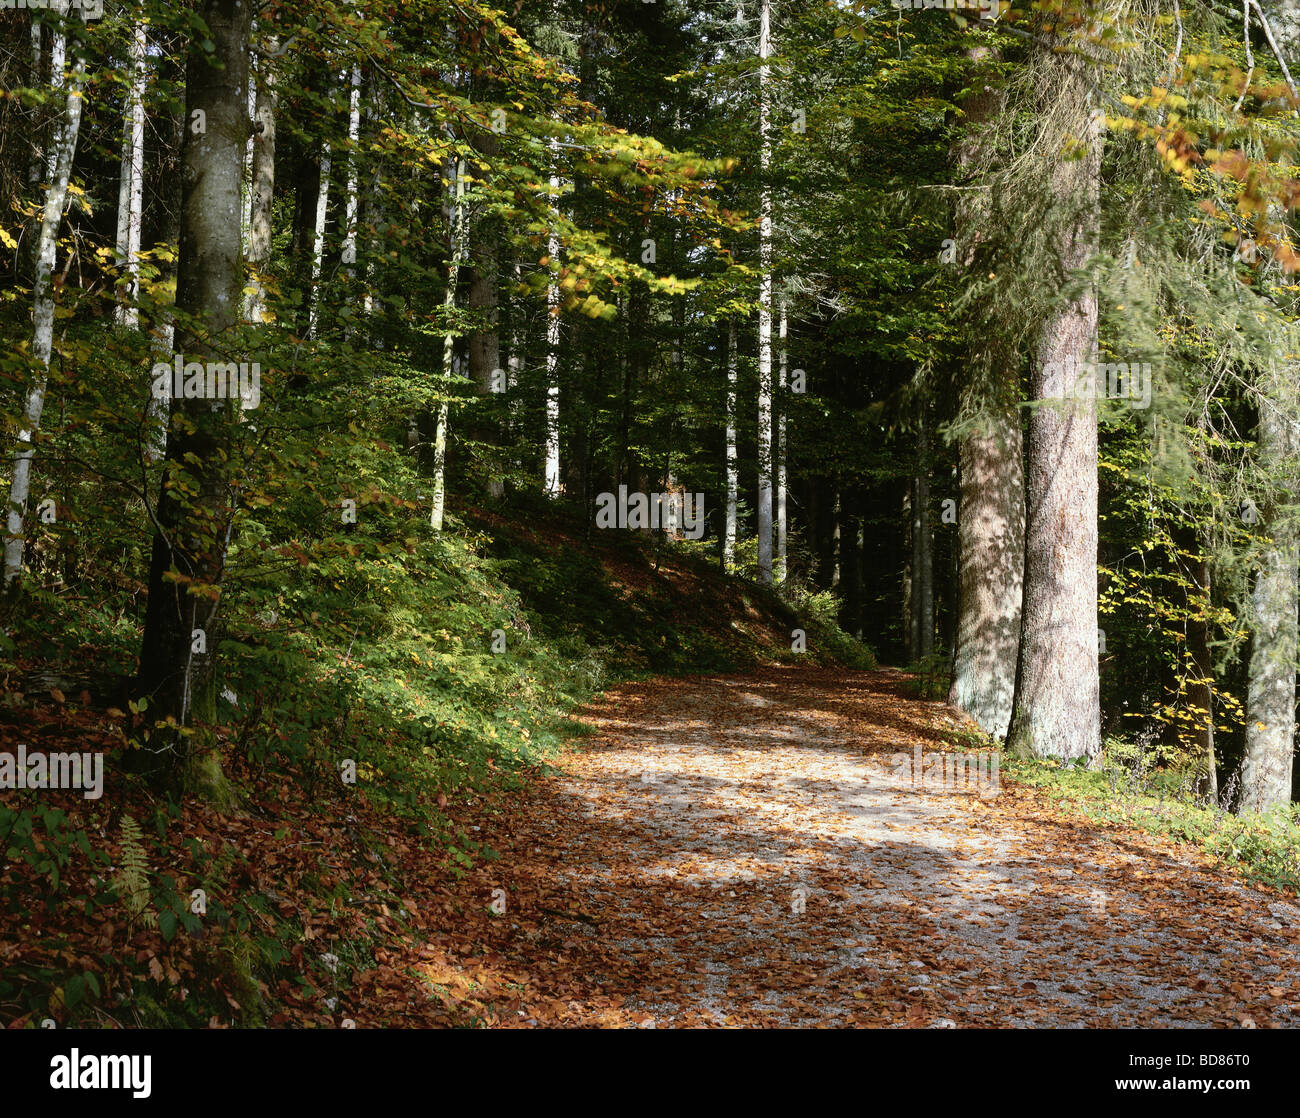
735 851
724 851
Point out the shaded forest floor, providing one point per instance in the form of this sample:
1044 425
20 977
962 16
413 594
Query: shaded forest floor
656 880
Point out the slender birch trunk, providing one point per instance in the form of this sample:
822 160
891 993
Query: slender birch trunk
263 192
131 183
553 351
781 477
733 474
58 60
43 310
456 239
318 240
349 255
764 308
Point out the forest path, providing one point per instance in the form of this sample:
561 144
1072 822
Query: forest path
737 850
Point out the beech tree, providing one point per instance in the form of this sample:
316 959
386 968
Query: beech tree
194 511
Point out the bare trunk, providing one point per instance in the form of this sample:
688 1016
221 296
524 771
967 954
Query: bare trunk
58 59
1057 707
764 310
42 313
733 474
456 239
781 478
922 588
991 520
195 506
349 250
991 540
552 466
485 343
263 187
1270 699
131 182
318 240
1200 688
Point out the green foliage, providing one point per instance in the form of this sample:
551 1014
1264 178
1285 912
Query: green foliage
1150 790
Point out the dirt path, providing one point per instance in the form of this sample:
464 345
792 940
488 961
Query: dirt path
739 851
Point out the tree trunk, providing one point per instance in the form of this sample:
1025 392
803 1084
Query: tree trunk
991 519
263 188
733 473
552 450
169 235
58 59
1057 706
352 206
131 180
43 311
1270 698
485 342
318 241
781 477
764 310
1200 689
991 540
911 615
456 242
194 509
922 582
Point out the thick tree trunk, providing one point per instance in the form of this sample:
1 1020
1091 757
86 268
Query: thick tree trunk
991 516
42 312
194 509
991 539
1057 707
1270 698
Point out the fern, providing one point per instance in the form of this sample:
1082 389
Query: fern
132 881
